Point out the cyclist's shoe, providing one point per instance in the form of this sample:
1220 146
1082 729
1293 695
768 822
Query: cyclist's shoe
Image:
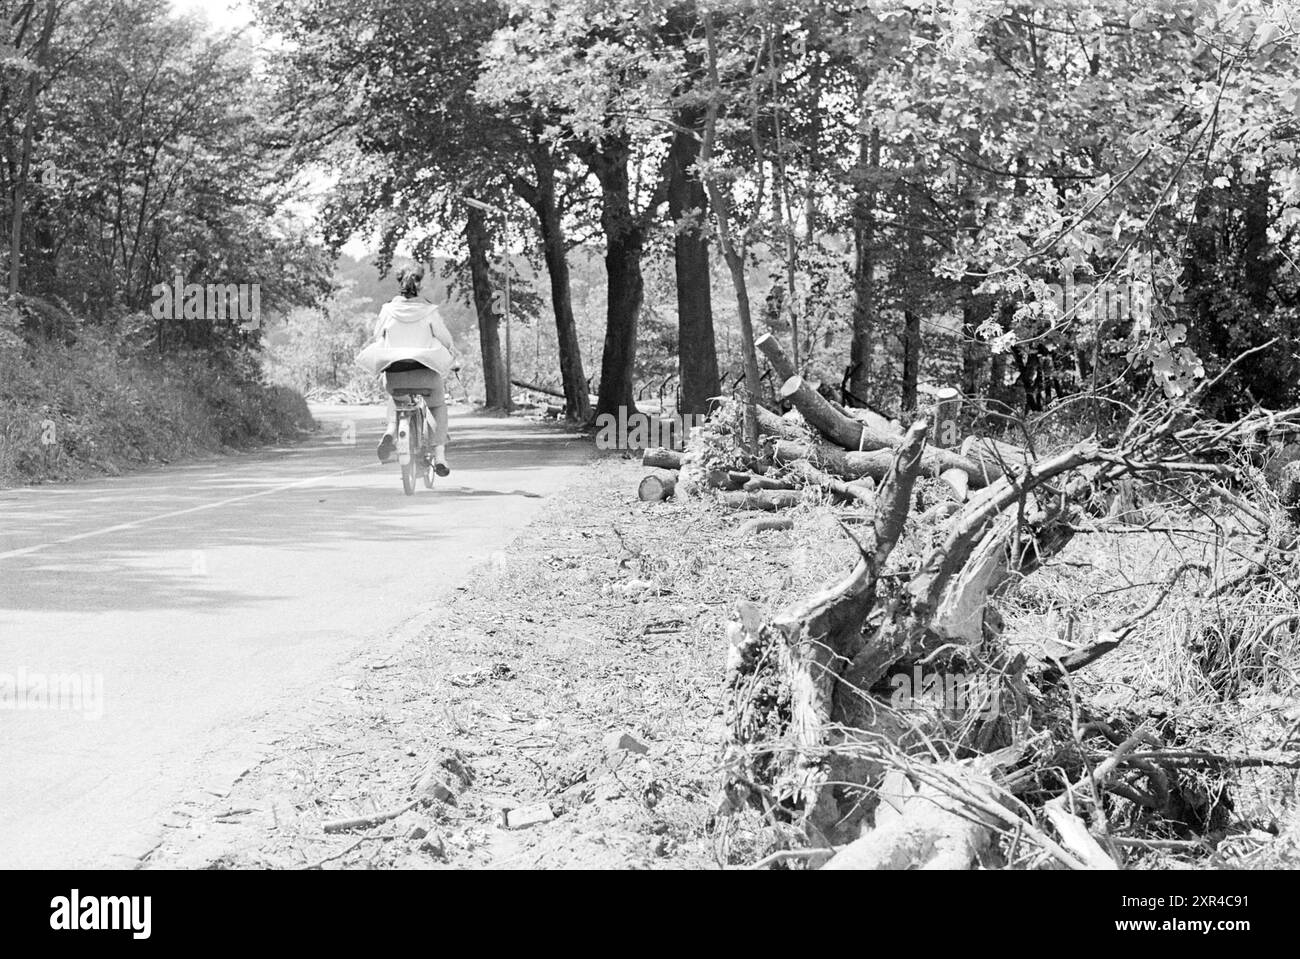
442 469
386 448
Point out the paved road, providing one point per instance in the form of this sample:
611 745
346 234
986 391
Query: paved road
203 604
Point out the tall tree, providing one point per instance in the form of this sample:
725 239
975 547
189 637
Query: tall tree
688 210
600 106
542 195
478 242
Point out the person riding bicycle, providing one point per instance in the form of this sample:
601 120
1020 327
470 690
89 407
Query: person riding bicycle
408 321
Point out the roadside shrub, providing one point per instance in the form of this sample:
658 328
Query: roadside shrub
96 405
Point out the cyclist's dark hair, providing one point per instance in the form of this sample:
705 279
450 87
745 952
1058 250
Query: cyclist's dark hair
409 279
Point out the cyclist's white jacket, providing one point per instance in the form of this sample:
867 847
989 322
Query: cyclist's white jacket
408 330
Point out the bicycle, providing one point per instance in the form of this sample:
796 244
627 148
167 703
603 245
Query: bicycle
414 436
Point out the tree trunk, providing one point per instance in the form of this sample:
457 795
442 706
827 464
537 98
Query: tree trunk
972 355
489 337
696 349
864 291
735 258
624 242
577 401
911 356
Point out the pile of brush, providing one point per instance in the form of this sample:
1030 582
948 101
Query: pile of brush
884 722
821 450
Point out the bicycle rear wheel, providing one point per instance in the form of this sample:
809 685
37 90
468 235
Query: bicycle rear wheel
408 450
421 451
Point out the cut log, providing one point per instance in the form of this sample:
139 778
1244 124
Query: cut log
809 475
873 463
724 479
929 581
938 512
658 486
876 421
762 524
957 480
817 410
769 424
781 364
764 499
662 458
992 458
751 482
850 433
947 406
738 479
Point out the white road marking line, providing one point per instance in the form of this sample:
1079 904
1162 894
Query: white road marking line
27 550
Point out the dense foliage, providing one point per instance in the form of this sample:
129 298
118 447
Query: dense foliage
138 146
904 186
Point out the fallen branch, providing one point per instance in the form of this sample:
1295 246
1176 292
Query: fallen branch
375 819
536 388
1109 639
1076 837
781 855
1190 757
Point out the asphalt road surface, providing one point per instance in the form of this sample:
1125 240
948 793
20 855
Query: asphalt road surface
155 628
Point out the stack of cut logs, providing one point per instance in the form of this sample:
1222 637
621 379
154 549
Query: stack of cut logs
844 456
